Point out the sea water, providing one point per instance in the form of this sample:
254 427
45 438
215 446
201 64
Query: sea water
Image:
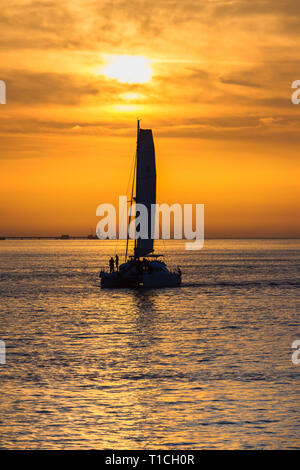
205 365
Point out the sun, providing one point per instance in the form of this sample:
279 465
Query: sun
128 69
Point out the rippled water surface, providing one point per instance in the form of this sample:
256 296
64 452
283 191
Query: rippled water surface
206 365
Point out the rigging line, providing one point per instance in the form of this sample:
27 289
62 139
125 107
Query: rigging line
131 200
131 173
126 193
131 169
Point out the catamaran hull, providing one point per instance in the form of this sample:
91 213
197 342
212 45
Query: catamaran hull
117 280
161 280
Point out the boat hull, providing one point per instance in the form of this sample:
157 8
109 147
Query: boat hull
161 280
118 280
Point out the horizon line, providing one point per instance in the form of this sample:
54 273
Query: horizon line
88 237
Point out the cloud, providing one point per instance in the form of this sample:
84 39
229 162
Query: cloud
232 80
209 57
25 125
236 128
92 24
35 88
38 24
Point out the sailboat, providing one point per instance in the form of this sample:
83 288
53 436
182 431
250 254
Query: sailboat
143 268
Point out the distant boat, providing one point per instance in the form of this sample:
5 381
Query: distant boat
91 236
65 237
2 238
143 267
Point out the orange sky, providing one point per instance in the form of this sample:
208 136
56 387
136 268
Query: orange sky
211 78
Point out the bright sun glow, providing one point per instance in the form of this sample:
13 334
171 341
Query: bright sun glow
128 69
131 96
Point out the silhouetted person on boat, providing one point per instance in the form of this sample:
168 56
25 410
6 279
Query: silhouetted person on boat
179 270
111 265
117 262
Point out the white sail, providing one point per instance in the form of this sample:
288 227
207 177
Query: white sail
145 185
